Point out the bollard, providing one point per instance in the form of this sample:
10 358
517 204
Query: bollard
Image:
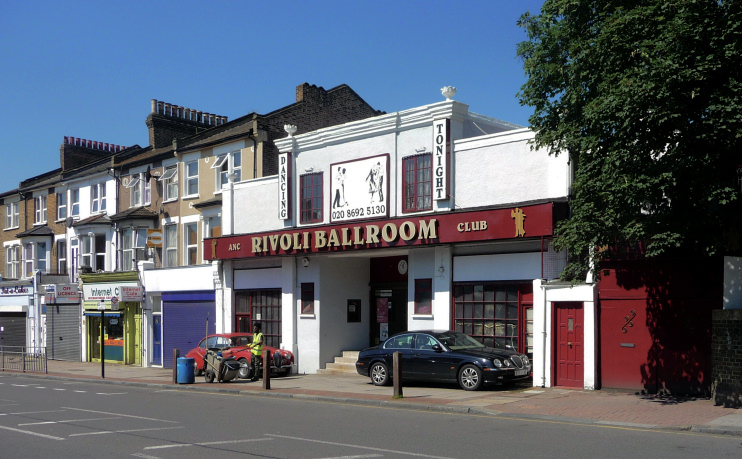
176 354
398 375
266 370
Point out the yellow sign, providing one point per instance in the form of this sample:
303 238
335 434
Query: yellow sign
154 237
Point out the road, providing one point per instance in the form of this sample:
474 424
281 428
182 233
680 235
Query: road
66 419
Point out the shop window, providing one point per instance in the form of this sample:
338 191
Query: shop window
11 215
417 184
264 306
311 198
307 298
423 296
490 313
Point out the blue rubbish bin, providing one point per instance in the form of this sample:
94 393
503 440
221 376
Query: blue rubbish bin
185 370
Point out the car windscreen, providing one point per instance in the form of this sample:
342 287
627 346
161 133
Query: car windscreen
456 341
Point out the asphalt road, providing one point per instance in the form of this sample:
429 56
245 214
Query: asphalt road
67 419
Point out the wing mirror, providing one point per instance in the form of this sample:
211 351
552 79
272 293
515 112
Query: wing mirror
437 348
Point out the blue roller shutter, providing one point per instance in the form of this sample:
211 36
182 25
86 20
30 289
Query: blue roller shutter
184 316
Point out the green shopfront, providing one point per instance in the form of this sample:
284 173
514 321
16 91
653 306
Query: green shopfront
112 301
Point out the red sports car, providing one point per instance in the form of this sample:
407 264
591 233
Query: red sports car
235 344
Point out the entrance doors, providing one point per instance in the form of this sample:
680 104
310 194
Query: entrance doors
569 349
157 339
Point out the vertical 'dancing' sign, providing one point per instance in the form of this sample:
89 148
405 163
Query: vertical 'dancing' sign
284 179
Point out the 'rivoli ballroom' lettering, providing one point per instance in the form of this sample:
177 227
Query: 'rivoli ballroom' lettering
345 237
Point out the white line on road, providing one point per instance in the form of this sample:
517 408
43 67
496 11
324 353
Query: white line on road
111 393
105 432
208 443
145 456
62 422
119 414
36 412
354 457
57 388
358 446
31 433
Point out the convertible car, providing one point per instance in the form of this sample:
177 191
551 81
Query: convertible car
235 344
445 356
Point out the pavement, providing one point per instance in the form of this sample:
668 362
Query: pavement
600 407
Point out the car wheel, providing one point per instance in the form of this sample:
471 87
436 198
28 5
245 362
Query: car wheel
245 369
379 374
209 376
470 377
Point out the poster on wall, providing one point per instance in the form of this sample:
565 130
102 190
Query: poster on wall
382 310
359 189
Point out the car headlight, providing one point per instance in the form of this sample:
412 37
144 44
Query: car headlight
497 363
525 359
506 363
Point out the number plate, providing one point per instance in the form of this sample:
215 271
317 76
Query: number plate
521 372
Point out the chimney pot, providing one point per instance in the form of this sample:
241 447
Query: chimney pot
153 105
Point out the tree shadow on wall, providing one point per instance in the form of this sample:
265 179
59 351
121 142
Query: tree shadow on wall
680 295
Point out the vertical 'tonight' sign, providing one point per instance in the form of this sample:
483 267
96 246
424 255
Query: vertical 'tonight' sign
284 178
441 129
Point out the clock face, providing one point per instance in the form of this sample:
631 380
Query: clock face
402 267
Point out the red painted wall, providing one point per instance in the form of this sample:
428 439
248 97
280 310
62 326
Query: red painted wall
665 343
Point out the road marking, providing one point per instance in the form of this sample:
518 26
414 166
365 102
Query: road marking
57 388
208 443
119 414
111 393
50 437
80 391
37 412
382 450
62 422
354 457
105 432
145 456
39 387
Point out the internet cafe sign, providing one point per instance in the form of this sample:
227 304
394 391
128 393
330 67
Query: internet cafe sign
127 291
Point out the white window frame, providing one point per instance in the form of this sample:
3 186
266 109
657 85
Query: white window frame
133 239
35 256
188 247
169 181
39 216
170 245
12 216
61 246
191 178
89 255
62 205
221 178
135 190
13 261
75 202
97 198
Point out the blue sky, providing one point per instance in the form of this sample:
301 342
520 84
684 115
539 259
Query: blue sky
89 69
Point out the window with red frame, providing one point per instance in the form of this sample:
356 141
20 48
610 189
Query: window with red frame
417 183
307 298
311 198
423 296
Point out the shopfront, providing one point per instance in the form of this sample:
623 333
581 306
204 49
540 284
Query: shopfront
63 322
16 300
112 310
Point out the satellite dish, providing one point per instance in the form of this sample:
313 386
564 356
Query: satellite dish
68 222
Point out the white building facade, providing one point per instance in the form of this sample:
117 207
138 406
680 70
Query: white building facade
428 218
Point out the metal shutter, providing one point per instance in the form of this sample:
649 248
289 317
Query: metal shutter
184 325
12 328
63 339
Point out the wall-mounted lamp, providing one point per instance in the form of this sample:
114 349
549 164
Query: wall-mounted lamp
441 269
305 262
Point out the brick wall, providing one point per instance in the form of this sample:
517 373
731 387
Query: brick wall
726 357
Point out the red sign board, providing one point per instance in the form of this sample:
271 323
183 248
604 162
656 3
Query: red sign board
430 229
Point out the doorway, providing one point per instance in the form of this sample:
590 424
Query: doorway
568 344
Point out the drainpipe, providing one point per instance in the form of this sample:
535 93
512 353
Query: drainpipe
544 357
254 156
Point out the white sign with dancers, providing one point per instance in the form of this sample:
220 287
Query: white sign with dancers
360 189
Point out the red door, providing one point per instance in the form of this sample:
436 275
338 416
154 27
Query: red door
569 368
